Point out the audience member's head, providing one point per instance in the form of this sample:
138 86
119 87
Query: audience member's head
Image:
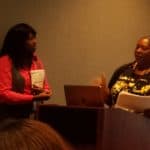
26 134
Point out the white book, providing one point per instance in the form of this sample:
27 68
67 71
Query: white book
132 102
37 77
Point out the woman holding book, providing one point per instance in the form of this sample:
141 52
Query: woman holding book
17 60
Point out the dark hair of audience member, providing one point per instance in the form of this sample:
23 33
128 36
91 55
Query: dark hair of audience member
27 134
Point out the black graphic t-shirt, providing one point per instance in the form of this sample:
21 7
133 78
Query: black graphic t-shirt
125 79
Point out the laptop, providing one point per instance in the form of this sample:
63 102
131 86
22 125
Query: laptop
83 95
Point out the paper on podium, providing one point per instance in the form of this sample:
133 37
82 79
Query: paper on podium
129 101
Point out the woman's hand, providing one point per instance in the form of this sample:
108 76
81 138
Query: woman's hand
101 82
42 96
37 90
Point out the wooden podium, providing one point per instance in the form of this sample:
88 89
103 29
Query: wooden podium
89 128
76 124
124 131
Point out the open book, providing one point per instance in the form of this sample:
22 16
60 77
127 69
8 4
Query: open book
129 101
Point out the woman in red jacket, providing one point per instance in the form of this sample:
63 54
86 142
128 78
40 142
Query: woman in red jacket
17 61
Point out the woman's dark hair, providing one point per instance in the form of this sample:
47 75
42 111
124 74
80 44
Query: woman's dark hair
14 45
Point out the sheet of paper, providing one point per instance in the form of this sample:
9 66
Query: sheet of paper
133 102
37 77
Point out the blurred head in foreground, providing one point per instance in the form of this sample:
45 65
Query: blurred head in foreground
26 134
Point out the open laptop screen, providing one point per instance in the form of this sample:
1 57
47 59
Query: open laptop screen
83 95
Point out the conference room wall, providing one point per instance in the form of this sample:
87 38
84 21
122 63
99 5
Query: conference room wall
79 39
